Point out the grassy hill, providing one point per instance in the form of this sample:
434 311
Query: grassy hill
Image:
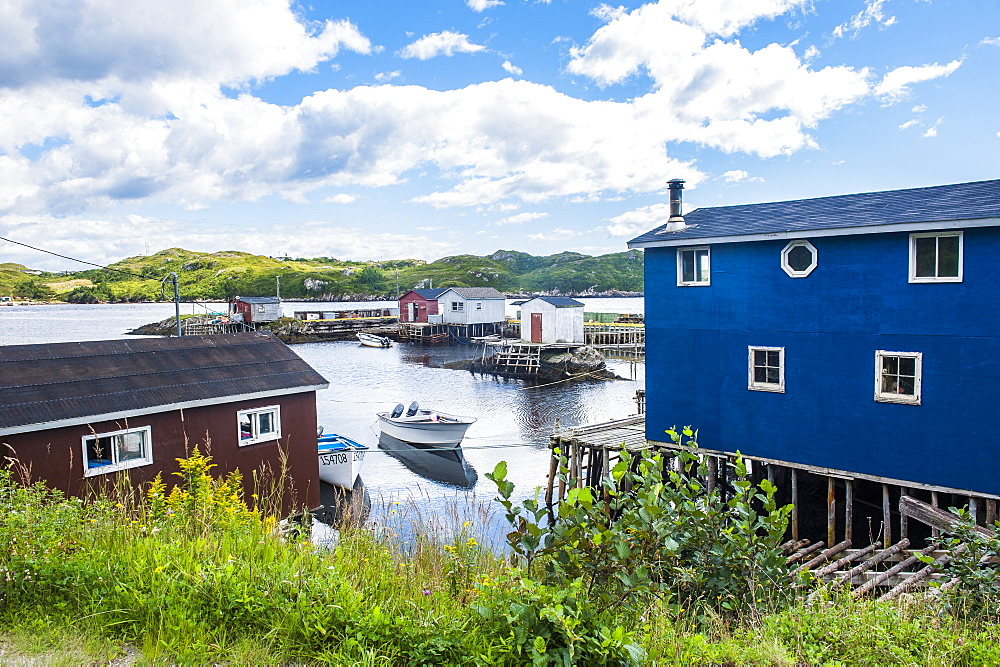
221 275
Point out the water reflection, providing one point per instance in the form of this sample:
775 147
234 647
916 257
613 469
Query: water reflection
445 465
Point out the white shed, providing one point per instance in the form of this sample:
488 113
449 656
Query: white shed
552 319
471 305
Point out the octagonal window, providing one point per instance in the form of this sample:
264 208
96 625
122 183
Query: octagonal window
799 258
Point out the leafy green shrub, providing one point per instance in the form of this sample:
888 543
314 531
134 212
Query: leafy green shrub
973 564
651 531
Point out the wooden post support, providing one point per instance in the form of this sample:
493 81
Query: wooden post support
770 473
935 531
904 526
849 509
795 504
974 508
991 513
712 464
886 518
831 510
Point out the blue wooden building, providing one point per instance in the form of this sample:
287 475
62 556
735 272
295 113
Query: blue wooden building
856 335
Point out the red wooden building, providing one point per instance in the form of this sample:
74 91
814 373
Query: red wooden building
417 304
80 414
256 309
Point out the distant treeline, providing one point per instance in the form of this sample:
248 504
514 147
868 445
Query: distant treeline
221 275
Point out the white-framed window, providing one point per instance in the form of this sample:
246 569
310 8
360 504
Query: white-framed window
693 266
259 425
117 450
799 258
260 308
936 257
897 377
457 306
479 305
766 368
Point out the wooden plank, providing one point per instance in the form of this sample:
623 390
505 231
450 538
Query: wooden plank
848 576
848 509
833 567
825 556
831 511
795 504
933 516
886 517
898 567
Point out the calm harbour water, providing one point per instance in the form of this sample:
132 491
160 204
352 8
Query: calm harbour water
514 418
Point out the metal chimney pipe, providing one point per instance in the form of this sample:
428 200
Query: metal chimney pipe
676 187
675 222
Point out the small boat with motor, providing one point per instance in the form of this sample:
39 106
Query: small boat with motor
371 340
340 460
424 427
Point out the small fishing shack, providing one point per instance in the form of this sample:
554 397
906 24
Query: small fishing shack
552 319
81 415
256 309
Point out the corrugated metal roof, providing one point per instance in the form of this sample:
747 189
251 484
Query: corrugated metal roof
559 301
257 299
962 201
430 293
64 381
477 292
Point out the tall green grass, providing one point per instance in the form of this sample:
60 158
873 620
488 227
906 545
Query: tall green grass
192 573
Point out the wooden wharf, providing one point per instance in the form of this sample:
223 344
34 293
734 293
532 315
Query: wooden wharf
424 333
826 503
615 336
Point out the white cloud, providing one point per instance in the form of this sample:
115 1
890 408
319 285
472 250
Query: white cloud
908 124
520 218
444 43
638 220
482 5
382 77
607 13
108 240
224 41
896 84
511 68
811 53
341 198
557 234
920 108
872 13
714 92
741 176
933 129
991 41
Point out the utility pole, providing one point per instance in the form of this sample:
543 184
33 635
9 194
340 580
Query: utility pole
278 288
177 300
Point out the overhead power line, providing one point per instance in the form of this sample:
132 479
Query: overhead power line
82 261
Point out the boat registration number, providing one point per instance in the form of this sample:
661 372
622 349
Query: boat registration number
340 457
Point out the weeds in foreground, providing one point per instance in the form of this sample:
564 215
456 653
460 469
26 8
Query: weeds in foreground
194 574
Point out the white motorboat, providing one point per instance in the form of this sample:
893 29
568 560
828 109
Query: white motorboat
424 427
340 460
371 340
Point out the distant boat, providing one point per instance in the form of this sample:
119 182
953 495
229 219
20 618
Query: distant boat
371 340
340 460
424 427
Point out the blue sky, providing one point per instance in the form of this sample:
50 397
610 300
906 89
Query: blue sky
378 129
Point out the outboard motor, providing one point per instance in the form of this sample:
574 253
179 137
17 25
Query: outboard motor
414 406
397 411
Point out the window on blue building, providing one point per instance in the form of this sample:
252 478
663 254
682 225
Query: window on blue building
798 259
936 257
693 266
897 377
766 369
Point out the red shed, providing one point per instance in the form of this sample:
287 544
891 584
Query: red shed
80 414
417 304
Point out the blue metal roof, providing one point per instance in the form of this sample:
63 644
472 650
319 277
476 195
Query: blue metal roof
857 214
430 293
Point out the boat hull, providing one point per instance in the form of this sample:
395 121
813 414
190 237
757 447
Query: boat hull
340 463
371 340
447 431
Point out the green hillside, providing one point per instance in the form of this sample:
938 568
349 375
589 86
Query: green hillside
221 275
18 281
